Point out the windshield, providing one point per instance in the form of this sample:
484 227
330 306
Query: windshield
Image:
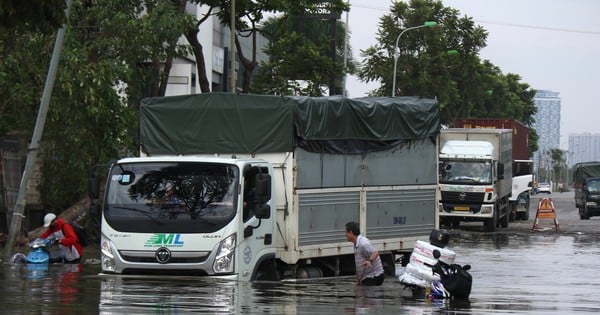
593 185
170 197
465 172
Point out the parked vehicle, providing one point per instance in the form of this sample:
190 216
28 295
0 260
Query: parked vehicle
475 176
38 253
587 189
544 188
253 187
522 178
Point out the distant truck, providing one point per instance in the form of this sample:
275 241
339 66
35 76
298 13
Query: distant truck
257 187
522 177
586 177
475 176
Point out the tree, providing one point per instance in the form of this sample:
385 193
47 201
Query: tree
300 60
109 61
558 163
464 85
45 16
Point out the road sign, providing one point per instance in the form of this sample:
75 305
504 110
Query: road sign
545 210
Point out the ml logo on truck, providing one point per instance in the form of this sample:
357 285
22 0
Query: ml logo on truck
166 240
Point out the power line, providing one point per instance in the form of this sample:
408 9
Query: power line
543 28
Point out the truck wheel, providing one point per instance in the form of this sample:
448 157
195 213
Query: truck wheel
267 272
514 215
490 224
583 213
504 220
525 214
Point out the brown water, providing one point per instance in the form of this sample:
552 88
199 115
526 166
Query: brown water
519 274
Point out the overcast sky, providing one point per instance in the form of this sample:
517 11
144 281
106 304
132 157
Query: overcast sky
552 44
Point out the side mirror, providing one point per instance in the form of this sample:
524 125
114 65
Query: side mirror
93 186
262 211
263 188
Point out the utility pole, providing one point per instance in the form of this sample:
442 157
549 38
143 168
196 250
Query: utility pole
32 152
232 50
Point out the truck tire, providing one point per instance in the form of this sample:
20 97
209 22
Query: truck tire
514 215
505 205
490 224
583 213
525 214
504 220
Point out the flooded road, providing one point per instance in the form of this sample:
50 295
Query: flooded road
514 271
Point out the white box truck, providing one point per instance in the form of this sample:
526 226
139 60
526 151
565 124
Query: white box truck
475 176
254 187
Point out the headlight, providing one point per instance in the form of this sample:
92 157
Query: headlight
486 209
108 259
224 259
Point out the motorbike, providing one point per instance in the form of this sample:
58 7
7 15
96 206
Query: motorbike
432 270
455 281
38 260
39 253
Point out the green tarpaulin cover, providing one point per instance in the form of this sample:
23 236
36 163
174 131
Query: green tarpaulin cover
247 123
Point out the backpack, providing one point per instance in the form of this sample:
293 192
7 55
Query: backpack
81 233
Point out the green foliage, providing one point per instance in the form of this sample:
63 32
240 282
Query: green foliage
42 15
300 57
464 85
108 61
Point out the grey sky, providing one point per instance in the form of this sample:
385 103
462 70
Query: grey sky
553 45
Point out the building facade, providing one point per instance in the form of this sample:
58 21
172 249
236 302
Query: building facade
547 125
216 41
583 147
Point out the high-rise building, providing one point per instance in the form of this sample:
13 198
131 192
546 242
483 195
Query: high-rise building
547 125
583 147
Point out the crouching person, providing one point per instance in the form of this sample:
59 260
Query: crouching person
70 249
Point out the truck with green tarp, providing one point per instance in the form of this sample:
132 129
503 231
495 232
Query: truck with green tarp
586 177
256 187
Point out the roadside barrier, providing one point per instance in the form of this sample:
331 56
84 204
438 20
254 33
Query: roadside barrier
545 210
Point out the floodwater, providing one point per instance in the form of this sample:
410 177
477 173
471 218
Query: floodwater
533 273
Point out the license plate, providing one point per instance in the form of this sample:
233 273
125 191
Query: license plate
459 208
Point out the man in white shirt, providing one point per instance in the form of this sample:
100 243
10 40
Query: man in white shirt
369 269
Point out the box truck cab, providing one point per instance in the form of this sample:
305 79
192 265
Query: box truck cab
587 188
475 176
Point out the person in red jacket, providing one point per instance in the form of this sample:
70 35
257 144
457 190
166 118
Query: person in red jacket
70 249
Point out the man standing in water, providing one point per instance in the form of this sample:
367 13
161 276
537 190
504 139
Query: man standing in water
369 269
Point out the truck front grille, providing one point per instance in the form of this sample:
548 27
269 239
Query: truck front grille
462 197
177 257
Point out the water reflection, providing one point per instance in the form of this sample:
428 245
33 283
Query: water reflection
175 295
537 273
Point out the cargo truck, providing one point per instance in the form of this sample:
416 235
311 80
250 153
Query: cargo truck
475 176
586 177
254 187
522 177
